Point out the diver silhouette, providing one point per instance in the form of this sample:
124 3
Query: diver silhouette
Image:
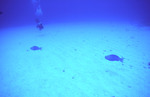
38 13
39 24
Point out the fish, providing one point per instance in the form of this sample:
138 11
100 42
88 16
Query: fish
35 48
113 57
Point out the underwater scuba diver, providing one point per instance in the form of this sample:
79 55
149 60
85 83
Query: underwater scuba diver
39 24
38 13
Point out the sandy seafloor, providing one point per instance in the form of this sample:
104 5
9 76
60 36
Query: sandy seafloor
72 61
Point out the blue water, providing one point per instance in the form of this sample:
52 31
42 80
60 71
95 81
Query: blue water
16 12
71 39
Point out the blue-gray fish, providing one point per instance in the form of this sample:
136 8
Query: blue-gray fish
35 48
113 57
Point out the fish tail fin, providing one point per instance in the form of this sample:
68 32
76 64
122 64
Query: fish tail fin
122 59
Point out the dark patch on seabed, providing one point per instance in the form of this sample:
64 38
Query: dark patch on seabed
148 65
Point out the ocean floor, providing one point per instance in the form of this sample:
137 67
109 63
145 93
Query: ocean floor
72 61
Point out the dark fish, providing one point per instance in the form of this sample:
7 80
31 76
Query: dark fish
35 48
113 57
